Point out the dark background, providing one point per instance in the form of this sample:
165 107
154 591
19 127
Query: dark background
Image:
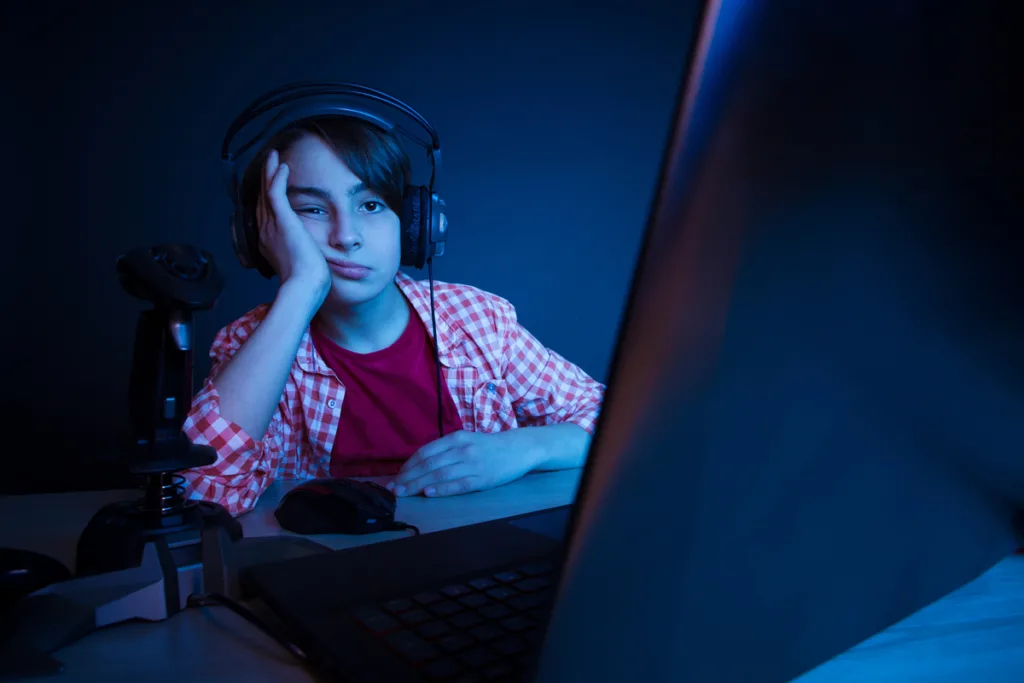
552 116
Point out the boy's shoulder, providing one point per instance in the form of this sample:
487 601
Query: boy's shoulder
455 300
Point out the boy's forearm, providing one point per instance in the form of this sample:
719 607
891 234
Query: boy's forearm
559 446
250 385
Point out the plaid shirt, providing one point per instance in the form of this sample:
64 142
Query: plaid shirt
499 375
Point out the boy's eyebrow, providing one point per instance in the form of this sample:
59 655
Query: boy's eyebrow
321 193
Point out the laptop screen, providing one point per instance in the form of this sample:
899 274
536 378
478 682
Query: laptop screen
812 428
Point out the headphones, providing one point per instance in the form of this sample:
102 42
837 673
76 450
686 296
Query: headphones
424 224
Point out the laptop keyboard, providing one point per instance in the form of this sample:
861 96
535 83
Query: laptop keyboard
482 629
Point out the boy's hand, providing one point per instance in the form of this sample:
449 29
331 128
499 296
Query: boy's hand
284 240
466 461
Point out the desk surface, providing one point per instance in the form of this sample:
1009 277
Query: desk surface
974 634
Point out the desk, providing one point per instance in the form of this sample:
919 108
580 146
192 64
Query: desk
213 644
974 634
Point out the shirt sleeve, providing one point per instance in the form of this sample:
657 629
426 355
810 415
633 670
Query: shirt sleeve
245 466
546 388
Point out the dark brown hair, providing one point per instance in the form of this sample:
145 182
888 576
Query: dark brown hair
371 153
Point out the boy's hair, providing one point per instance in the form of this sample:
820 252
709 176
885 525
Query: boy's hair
374 155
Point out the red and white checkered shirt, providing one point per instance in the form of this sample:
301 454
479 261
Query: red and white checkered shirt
499 375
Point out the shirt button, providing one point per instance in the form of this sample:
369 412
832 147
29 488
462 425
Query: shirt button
332 403
491 388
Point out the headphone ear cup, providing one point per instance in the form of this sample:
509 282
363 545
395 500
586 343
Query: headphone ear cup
238 240
239 234
246 238
415 225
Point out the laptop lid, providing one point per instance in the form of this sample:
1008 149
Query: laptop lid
815 417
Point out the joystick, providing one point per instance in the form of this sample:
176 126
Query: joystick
144 558
178 280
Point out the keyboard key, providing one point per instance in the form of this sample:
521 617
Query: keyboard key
486 632
517 623
494 611
442 670
536 568
509 645
465 620
529 601
434 629
456 642
477 657
397 606
483 584
374 619
501 593
474 600
446 608
427 597
455 591
411 646
534 584
416 616
508 577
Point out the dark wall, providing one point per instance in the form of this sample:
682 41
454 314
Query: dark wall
552 116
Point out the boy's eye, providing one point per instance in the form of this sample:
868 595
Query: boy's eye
373 206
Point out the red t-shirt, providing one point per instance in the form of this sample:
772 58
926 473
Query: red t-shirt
390 404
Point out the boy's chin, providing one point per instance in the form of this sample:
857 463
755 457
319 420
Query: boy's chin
355 292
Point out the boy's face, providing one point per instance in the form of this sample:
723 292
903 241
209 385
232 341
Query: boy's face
358 233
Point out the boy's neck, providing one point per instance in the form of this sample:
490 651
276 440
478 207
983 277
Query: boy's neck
371 326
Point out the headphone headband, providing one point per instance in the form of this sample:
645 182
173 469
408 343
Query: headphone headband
299 91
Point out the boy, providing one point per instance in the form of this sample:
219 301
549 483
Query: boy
337 377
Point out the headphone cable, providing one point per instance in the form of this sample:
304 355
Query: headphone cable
437 353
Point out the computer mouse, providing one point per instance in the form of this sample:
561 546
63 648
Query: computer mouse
23 572
338 506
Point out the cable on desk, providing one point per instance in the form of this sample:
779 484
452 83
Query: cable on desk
248 615
402 526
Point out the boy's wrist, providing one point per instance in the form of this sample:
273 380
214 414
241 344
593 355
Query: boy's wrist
298 296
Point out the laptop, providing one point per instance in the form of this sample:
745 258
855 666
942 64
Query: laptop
813 422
